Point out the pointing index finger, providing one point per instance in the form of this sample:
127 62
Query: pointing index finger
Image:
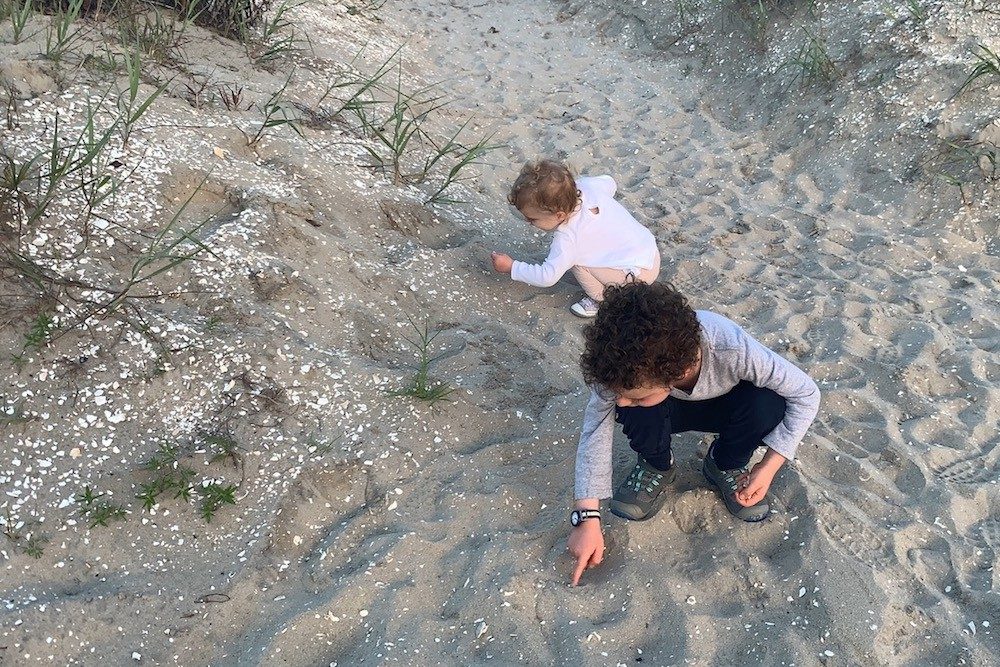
581 565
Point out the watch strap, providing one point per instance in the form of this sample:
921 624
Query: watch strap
584 515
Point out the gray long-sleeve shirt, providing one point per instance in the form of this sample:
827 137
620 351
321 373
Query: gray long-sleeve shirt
728 355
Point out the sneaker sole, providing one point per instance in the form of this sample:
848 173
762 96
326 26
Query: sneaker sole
729 507
585 316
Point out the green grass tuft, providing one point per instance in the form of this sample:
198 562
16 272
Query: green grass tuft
421 385
812 63
214 496
987 65
98 512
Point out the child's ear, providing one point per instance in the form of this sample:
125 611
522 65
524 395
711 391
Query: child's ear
562 216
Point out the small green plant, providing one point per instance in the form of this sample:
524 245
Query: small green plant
466 157
358 88
916 10
272 46
394 134
178 480
149 32
421 385
37 335
398 134
87 497
987 65
130 108
98 512
277 112
164 457
170 476
214 496
148 494
11 530
812 63
61 34
103 512
225 449
20 13
35 546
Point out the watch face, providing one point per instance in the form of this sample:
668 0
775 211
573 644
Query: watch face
574 518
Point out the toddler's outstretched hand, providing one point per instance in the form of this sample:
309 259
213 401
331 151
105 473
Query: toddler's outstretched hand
501 263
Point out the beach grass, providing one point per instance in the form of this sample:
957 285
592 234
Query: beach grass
987 66
421 386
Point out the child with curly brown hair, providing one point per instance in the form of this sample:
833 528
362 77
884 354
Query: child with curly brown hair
658 367
593 235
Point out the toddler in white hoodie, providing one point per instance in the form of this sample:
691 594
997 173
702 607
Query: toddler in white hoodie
593 235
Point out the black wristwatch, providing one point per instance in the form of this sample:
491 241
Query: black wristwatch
576 517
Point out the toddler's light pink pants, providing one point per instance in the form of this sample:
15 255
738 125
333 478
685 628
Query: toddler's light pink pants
593 280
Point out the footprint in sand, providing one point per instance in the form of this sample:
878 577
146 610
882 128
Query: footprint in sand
930 560
698 511
825 338
637 179
989 532
692 278
887 356
851 535
968 471
840 444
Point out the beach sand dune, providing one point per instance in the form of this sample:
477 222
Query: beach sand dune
373 529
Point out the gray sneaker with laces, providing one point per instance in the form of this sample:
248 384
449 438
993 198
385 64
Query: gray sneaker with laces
725 482
643 492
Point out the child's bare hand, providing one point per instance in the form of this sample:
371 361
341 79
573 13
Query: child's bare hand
586 544
753 486
501 263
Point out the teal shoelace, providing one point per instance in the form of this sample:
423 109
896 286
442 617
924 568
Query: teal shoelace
635 479
731 476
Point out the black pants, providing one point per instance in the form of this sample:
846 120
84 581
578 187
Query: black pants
741 418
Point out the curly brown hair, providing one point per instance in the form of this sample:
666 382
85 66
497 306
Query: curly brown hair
546 185
643 335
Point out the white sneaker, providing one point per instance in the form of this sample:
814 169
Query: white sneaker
585 307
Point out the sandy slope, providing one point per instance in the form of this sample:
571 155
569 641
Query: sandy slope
425 536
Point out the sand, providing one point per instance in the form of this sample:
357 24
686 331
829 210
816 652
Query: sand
373 529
